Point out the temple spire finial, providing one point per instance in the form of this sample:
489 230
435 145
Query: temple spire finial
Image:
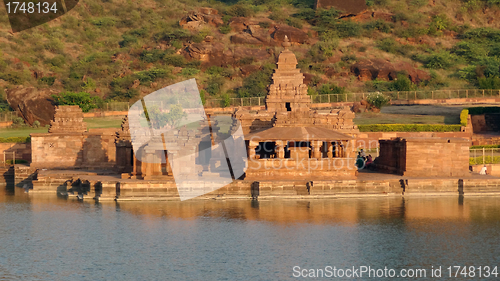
286 43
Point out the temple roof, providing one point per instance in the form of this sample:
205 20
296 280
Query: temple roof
297 134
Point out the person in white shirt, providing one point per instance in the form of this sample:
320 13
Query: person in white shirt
363 154
483 170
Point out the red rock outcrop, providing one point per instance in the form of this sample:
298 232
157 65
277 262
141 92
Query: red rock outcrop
215 54
380 69
295 35
32 104
205 15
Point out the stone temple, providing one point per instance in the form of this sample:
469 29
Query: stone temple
286 140
289 139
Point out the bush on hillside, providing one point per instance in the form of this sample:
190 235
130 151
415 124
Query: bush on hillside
84 100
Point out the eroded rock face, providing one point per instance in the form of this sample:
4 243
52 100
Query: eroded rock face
32 104
347 6
215 54
295 35
372 69
195 19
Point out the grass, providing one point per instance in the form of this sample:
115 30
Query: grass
369 118
20 132
92 123
104 122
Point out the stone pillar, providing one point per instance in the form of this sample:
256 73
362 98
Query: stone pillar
252 145
280 150
330 150
316 152
341 149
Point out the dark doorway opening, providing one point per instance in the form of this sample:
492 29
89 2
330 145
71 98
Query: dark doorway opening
288 107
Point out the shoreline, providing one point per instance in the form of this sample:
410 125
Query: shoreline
90 185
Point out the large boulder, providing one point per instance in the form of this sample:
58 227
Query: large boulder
215 54
32 104
349 7
295 35
195 19
371 69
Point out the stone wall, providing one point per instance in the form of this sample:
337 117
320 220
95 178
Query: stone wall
369 140
305 169
73 150
425 157
21 151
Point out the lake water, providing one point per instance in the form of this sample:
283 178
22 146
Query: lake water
50 238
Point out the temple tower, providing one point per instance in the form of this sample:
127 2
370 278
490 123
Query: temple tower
288 91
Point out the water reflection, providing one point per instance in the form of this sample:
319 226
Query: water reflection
46 237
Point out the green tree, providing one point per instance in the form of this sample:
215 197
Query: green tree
175 115
84 100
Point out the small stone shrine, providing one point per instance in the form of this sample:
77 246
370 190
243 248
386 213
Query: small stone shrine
69 144
424 157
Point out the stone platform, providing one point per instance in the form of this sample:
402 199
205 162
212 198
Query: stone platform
95 185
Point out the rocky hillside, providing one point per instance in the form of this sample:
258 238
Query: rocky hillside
121 50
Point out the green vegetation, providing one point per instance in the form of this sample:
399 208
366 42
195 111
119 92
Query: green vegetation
464 115
485 146
84 100
15 139
483 110
409 128
377 100
487 160
111 52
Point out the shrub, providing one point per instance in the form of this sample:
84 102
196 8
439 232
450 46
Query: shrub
463 117
278 15
483 110
127 40
214 85
255 85
226 100
294 22
15 140
487 160
489 82
104 22
48 80
84 100
379 25
188 71
152 56
441 60
18 121
409 128
377 100
402 83
150 75
225 29
36 124
240 10
328 89
175 60
485 146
